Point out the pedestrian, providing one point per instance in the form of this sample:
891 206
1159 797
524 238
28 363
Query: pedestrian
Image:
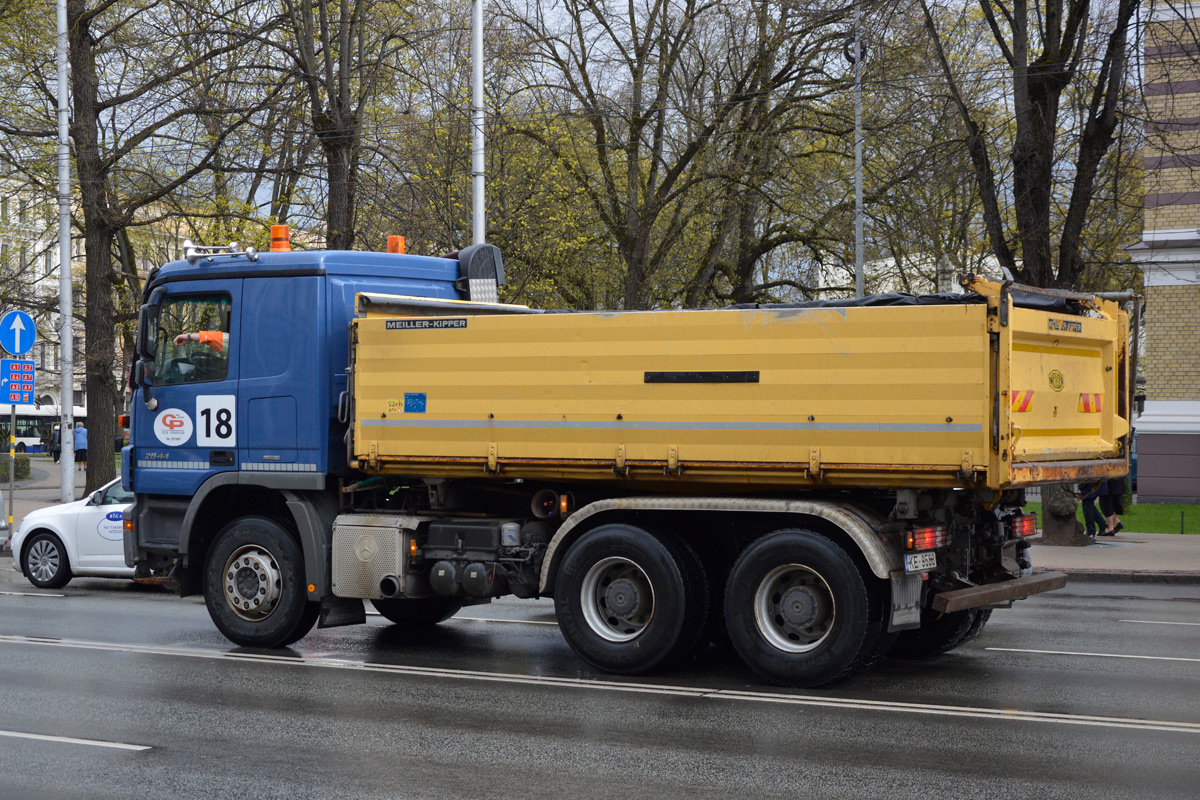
80 446
1092 520
1112 505
56 442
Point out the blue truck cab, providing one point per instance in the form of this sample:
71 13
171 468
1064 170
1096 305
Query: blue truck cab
240 367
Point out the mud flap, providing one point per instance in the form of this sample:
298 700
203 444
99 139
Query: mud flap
906 602
337 611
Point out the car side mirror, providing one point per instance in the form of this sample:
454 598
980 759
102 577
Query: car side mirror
97 498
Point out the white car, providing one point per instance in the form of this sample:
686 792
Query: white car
86 538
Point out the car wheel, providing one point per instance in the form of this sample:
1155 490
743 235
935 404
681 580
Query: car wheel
21 447
254 585
45 561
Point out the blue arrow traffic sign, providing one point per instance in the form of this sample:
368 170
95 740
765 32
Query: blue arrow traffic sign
17 333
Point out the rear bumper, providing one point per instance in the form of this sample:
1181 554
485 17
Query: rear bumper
975 596
1030 473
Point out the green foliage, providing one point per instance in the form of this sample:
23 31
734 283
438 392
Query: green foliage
22 466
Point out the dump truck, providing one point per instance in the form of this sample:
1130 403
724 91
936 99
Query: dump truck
812 484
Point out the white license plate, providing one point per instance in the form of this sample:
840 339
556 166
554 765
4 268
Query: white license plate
920 562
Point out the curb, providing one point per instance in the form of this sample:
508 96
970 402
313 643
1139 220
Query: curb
1175 577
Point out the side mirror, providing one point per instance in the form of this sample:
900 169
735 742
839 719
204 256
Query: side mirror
97 498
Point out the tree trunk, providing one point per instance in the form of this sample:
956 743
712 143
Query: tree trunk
338 134
99 314
1059 525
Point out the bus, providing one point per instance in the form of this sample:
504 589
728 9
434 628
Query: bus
34 424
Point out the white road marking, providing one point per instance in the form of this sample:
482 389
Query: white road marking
1157 622
1091 655
41 737
31 594
699 693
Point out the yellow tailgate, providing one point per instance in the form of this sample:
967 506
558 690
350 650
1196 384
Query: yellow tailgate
1067 393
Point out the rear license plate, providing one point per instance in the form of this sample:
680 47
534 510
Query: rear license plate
920 562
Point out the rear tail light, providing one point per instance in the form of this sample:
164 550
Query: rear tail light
929 538
1023 526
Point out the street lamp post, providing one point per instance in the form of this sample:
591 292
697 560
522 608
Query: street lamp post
66 330
478 219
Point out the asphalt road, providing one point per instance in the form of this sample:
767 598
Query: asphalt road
112 690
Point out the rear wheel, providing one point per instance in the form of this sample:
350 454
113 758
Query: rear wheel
254 585
940 633
628 600
799 610
45 562
420 612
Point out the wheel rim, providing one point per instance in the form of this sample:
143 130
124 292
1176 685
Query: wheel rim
44 560
617 599
253 583
794 608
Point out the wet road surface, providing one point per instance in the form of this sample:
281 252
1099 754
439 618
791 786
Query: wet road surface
113 690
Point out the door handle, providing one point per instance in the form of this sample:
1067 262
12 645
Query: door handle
220 458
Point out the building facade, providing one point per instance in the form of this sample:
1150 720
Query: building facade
1168 430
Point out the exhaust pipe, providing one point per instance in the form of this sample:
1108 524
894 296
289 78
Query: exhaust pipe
390 586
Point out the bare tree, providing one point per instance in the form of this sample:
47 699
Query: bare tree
343 52
1048 49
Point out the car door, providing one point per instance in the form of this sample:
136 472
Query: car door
98 529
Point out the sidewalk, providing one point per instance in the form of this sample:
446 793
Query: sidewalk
1126 558
40 490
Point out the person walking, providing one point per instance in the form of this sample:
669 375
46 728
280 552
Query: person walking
1093 522
56 442
1112 505
81 447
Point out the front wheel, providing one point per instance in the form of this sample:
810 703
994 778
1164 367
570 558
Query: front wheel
45 562
254 585
799 610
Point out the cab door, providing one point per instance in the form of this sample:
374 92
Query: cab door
190 433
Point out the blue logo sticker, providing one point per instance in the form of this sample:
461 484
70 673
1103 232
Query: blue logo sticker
414 402
115 516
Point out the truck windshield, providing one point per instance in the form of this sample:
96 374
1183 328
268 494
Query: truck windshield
192 340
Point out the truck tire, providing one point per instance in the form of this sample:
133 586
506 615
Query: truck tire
418 612
940 633
254 585
800 611
628 600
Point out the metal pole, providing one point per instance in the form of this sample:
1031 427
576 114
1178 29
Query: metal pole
12 466
478 220
66 331
858 153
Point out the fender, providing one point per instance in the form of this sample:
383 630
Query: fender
312 511
882 553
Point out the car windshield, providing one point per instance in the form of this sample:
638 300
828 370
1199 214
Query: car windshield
115 493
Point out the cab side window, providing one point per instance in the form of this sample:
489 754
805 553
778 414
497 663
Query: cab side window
192 340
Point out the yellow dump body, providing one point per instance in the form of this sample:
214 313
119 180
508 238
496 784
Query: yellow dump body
751 400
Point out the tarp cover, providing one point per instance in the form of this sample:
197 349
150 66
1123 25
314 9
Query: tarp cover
1020 299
